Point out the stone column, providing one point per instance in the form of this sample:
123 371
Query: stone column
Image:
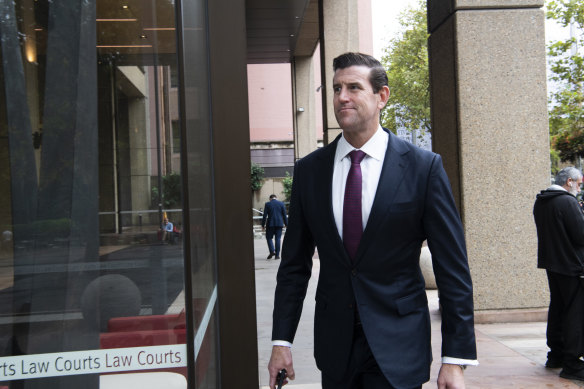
345 26
489 119
304 107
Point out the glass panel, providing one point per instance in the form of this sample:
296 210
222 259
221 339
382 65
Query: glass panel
91 275
199 180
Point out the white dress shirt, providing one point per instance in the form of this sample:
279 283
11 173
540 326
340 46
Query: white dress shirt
371 165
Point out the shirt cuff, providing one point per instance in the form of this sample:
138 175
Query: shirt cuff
458 361
281 343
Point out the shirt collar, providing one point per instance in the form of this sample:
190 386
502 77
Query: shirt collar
375 147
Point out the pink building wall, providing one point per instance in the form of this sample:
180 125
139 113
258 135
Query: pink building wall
270 102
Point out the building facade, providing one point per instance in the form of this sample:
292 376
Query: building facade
118 116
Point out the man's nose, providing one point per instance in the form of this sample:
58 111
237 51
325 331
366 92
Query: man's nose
343 94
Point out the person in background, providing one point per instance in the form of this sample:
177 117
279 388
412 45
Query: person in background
273 220
560 250
167 230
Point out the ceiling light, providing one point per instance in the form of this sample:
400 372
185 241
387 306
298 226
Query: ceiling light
122 46
116 20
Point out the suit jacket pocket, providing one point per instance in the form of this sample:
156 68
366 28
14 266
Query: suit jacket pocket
412 302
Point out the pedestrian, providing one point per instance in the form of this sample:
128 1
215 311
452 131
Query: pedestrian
167 230
273 220
368 201
560 251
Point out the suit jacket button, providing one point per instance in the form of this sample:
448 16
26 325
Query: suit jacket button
350 306
354 272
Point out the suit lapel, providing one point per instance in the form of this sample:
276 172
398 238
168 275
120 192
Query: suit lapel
392 173
324 194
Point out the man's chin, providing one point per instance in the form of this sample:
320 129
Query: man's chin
345 123
349 127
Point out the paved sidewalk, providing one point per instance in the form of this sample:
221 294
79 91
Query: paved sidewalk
511 355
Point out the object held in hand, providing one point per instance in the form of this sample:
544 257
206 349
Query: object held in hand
280 379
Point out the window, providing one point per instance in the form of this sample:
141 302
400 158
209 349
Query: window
92 256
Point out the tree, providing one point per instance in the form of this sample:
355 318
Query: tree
257 177
171 191
287 182
406 59
566 110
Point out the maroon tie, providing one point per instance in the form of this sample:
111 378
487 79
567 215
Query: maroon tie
352 219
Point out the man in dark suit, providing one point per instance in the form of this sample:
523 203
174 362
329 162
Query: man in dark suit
273 221
372 324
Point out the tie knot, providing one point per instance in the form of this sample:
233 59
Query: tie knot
357 156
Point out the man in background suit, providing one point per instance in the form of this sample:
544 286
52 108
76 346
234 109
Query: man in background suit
372 323
275 213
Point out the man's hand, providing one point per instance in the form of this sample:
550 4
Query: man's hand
281 359
450 377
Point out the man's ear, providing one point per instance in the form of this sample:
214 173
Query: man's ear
383 96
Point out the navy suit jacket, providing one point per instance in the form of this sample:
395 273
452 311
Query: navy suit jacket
413 203
275 212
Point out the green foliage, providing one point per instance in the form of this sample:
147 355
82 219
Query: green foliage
566 105
406 59
52 228
257 177
555 161
171 191
287 182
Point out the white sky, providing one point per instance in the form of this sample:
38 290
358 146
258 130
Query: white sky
385 26
384 18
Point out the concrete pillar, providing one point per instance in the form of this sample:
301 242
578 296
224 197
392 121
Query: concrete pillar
345 26
304 107
489 122
140 164
136 175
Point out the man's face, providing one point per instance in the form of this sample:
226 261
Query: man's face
356 106
575 186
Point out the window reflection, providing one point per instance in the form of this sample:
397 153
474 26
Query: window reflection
91 221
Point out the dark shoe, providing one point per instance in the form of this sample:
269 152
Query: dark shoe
553 363
572 374
270 256
277 257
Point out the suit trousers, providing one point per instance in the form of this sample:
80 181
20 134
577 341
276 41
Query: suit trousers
362 371
272 232
565 328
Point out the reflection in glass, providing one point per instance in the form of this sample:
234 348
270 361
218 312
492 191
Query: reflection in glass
91 220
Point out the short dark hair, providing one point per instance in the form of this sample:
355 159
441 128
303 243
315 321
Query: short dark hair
377 76
273 196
